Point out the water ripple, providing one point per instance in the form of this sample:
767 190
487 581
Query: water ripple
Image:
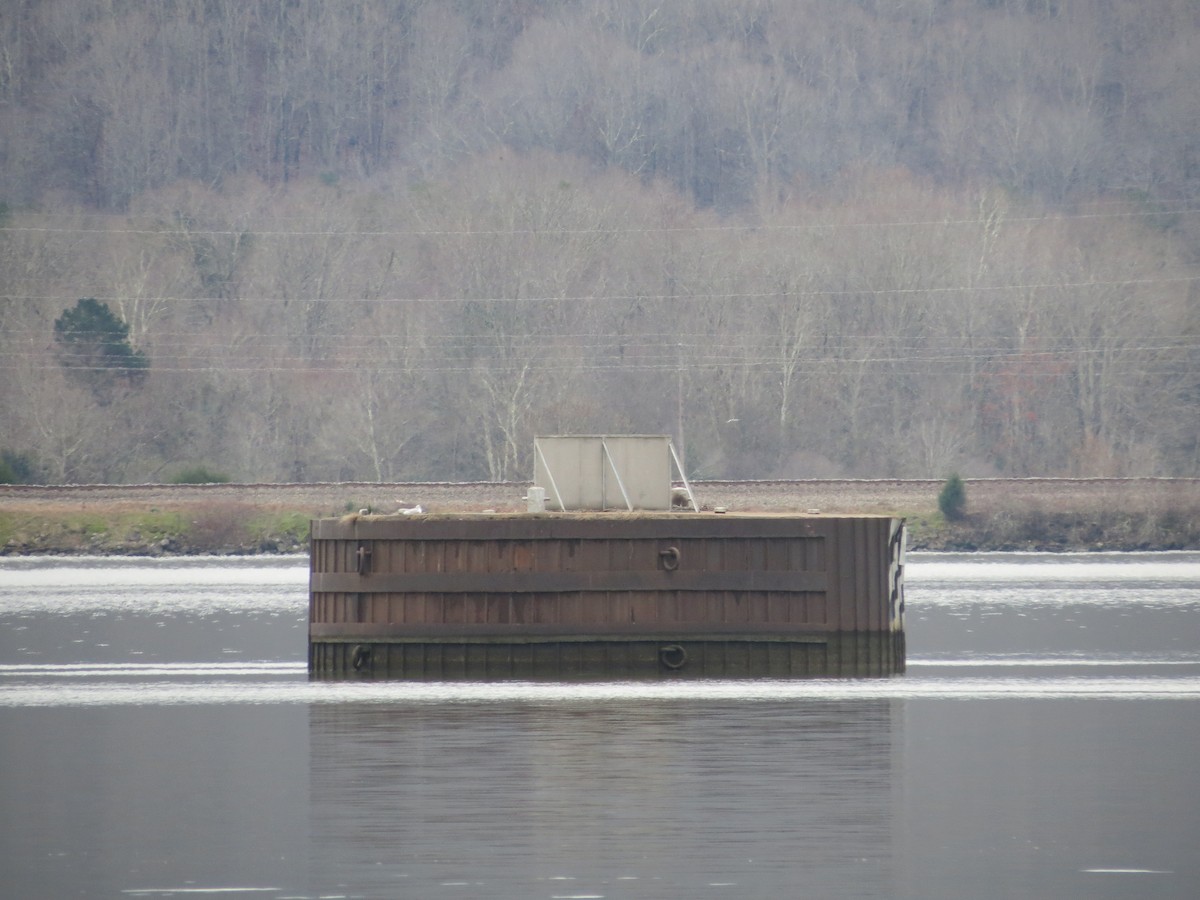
296 690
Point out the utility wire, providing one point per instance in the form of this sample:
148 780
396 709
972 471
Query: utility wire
610 298
250 231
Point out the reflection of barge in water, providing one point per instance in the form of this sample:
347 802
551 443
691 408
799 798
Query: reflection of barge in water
586 595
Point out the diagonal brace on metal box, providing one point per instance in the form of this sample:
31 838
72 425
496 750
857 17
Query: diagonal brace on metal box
595 472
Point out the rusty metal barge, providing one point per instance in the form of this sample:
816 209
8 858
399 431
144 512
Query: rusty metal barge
578 595
570 593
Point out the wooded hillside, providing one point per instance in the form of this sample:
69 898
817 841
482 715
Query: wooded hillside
393 241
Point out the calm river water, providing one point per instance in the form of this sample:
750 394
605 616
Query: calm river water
159 737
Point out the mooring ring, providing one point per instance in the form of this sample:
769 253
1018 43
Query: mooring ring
360 657
670 558
672 656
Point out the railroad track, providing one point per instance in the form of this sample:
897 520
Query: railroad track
825 495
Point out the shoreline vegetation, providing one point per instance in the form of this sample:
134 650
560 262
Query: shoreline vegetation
1100 514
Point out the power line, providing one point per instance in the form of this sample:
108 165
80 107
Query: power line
581 369
568 359
250 231
609 298
665 343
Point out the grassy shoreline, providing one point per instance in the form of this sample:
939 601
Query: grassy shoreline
218 528
1067 531
228 527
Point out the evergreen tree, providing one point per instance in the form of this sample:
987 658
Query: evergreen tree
93 346
952 500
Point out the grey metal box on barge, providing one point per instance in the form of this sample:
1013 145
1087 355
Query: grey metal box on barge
598 471
606 595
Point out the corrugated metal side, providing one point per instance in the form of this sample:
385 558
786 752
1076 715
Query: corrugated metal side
531 582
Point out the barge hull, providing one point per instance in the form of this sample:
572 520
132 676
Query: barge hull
606 596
